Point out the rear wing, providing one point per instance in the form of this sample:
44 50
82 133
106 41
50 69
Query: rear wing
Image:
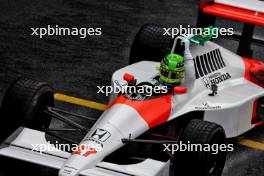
251 12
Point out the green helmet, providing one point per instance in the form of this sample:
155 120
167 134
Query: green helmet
172 69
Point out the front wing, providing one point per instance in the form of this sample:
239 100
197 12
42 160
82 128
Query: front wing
20 146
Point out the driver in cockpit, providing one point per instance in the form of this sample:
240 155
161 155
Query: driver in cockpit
177 67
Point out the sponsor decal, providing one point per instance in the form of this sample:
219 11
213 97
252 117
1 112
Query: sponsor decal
70 167
68 170
215 79
84 151
94 140
98 136
207 106
101 135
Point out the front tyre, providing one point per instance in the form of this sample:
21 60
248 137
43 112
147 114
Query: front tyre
22 105
202 163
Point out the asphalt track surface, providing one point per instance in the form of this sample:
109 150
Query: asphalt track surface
76 66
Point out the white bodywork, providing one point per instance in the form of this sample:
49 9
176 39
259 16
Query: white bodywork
231 108
233 101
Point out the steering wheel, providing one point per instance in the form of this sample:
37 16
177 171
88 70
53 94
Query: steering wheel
145 84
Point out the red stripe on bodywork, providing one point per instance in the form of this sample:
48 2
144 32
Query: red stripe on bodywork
154 111
235 13
254 67
254 112
254 120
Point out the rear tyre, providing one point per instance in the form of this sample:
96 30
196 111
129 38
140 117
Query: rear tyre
22 105
150 44
201 163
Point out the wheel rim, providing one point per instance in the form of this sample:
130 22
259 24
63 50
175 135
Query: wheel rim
40 121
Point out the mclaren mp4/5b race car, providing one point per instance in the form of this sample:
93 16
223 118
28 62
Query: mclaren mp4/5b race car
224 99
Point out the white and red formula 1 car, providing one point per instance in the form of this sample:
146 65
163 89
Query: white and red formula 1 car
224 101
